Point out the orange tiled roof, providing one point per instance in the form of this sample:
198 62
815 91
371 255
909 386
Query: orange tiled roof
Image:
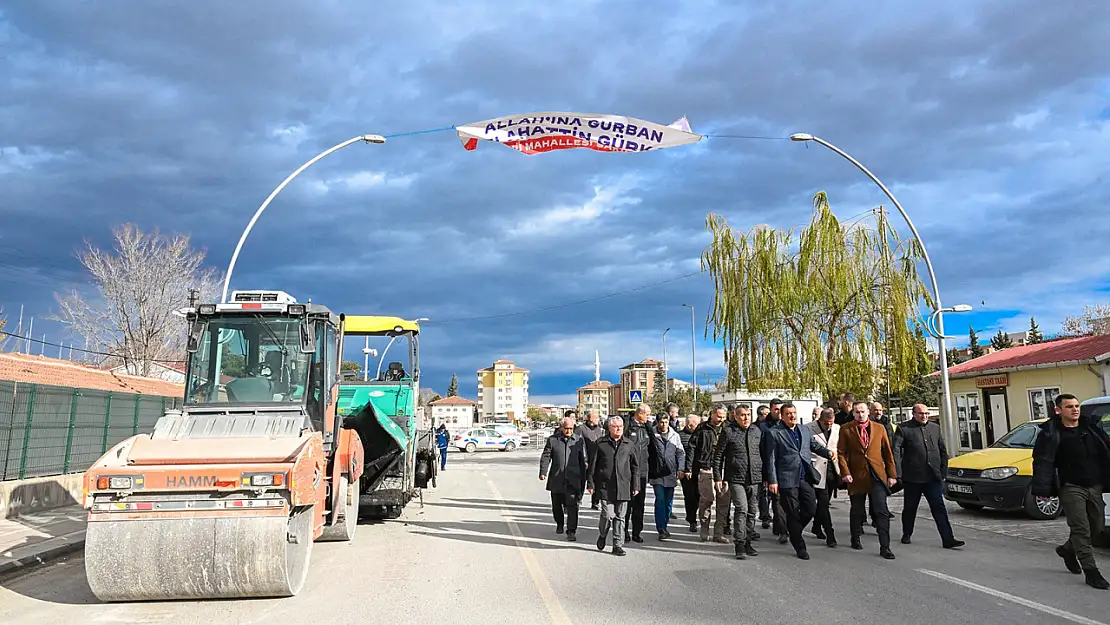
54 372
451 401
1077 350
602 384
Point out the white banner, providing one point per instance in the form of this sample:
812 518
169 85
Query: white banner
537 133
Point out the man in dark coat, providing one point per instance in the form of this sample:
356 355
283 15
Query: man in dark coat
615 473
591 431
788 450
563 466
922 460
1071 459
738 461
712 501
690 482
638 431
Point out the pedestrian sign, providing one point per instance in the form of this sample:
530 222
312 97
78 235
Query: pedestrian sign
635 397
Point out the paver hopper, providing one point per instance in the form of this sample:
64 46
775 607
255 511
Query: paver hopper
400 455
226 496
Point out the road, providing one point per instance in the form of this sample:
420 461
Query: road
484 550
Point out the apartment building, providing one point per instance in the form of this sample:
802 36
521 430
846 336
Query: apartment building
503 391
594 396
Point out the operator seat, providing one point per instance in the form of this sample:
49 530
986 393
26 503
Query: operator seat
396 372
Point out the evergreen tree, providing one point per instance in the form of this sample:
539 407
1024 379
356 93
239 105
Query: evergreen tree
973 346
1034 336
954 357
1001 340
659 386
453 387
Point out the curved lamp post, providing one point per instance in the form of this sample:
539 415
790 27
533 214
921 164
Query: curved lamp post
938 313
258 213
693 357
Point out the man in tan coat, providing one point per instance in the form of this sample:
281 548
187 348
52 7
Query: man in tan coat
866 462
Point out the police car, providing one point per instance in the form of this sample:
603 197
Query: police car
486 438
508 429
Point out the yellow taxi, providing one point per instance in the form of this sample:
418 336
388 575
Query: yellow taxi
1000 475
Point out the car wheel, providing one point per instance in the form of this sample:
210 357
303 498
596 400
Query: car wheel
1041 511
510 446
969 506
471 448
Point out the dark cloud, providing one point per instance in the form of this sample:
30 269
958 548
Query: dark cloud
988 122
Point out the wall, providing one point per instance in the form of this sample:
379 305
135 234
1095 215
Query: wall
1077 380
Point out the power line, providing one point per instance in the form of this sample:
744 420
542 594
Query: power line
565 304
70 347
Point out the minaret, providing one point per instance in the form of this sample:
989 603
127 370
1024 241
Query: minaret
597 366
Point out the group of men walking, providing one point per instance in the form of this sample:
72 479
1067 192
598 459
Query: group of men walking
732 469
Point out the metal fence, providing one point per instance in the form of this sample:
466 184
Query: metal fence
48 430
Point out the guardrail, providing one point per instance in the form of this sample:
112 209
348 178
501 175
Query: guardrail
50 430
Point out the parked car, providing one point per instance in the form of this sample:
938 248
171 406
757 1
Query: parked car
483 438
1000 475
508 429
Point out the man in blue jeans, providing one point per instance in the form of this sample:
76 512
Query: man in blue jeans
922 461
441 444
668 448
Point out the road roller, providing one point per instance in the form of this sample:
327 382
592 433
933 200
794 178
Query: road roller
226 496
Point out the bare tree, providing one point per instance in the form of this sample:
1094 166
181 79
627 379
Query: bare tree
136 289
1094 320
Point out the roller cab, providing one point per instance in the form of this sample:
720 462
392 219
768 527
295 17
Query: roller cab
225 497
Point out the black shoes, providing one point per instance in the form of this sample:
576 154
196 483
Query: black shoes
766 524
856 544
783 539
1070 560
803 555
740 554
754 536
666 533
819 533
558 529
636 538
571 537
749 550
954 544
617 551
905 540
693 526
886 553
830 540
601 543
1096 580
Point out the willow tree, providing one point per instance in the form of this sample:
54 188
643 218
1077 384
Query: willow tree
832 307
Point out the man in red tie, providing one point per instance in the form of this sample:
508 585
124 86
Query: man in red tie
866 461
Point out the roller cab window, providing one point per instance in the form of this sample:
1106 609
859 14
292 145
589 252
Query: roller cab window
248 359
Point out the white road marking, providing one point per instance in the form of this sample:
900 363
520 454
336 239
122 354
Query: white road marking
1075 618
554 608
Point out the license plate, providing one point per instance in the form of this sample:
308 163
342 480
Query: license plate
960 488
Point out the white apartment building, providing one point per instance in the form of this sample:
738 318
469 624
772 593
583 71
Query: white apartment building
457 413
503 392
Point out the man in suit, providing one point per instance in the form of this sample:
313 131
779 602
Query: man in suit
616 473
867 466
591 432
922 460
563 467
788 450
827 432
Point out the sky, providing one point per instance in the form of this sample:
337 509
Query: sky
988 120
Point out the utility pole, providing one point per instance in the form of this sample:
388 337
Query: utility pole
693 357
27 339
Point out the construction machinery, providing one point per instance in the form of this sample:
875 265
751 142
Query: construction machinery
381 407
225 497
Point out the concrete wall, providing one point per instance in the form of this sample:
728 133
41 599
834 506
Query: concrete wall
20 497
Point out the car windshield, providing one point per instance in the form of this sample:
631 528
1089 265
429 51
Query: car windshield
255 358
1021 437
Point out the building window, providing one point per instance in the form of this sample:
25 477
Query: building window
970 421
1041 402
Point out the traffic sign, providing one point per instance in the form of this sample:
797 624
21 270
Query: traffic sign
635 397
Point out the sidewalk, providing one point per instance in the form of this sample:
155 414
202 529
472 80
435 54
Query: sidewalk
41 536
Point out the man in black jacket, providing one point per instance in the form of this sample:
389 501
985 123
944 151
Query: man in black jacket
639 432
563 466
922 460
737 460
689 481
616 475
591 431
1073 452
699 463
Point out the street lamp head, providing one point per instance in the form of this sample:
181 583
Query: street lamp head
961 308
687 305
801 136
373 138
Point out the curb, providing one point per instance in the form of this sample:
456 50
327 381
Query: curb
70 543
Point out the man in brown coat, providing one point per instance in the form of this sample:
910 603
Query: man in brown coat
866 461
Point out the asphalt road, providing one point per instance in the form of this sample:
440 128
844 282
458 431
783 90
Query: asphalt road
484 550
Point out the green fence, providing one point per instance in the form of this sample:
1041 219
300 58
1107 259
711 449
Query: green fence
48 430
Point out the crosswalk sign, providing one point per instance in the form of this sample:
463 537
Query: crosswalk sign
635 397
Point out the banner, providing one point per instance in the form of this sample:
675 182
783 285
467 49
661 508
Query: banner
537 133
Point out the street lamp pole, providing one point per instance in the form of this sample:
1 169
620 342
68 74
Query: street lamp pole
947 391
280 187
693 357
666 386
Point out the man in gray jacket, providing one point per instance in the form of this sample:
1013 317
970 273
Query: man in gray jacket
563 467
